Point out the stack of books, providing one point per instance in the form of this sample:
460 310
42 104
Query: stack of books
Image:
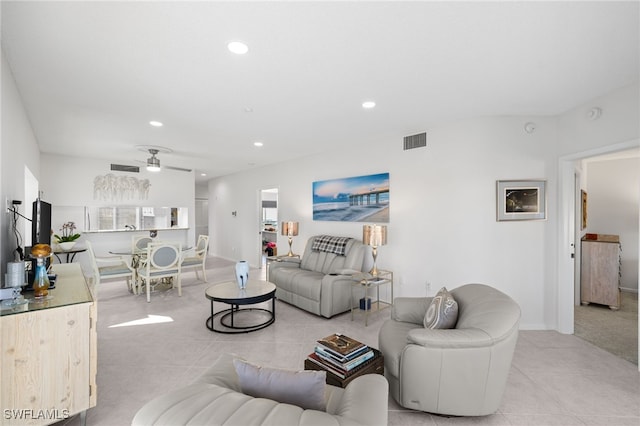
341 355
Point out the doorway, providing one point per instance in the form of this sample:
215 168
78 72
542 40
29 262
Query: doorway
202 216
611 200
569 236
268 225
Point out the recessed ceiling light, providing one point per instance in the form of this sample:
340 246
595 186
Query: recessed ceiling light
155 123
368 104
238 47
258 143
203 174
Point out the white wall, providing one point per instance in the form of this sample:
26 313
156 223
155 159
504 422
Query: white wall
18 149
202 190
578 138
442 227
67 184
619 123
613 188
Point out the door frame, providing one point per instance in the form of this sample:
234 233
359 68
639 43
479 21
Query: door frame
567 225
260 199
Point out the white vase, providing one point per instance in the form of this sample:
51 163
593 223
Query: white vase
242 273
67 246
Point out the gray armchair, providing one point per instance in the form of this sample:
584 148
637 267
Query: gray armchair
461 371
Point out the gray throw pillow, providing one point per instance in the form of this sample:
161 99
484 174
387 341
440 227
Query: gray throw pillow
302 388
442 311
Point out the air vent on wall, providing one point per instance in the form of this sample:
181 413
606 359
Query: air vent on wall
415 141
124 168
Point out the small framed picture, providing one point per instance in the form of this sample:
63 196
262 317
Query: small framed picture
521 200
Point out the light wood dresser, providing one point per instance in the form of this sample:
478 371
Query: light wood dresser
600 270
49 360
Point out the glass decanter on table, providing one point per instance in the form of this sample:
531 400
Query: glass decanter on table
41 280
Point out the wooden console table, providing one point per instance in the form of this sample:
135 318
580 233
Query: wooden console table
49 353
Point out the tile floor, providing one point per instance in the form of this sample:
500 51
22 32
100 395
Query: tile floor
555 379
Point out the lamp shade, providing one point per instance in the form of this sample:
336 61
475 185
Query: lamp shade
374 235
289 229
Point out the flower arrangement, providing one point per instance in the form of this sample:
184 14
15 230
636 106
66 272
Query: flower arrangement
68 233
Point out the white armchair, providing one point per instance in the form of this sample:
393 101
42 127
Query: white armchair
111 267
140 243
198 259
162 261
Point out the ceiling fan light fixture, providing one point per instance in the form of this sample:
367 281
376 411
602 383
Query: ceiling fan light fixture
153 163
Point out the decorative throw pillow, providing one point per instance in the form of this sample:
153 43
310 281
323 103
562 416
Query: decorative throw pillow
442 312
302 388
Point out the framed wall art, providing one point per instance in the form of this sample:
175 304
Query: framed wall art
521 200
353 199
583 195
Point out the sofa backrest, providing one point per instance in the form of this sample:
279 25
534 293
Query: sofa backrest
331 263
486 308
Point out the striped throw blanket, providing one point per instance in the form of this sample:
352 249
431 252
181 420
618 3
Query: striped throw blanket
330 244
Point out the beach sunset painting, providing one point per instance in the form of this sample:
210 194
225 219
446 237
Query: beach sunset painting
354 199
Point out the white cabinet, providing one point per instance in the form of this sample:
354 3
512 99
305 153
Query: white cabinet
49 361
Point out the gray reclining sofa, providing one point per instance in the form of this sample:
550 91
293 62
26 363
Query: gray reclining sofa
320 281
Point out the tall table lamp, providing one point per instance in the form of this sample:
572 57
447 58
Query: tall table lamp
374 236
290 229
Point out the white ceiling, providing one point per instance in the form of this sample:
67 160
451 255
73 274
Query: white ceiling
93 74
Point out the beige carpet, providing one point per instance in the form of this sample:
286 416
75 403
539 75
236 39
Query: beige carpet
613 331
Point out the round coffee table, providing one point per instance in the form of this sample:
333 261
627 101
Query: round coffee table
230 294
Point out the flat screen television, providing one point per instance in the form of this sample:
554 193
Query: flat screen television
41 223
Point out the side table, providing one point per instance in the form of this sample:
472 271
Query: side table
71 254
362 283
373 366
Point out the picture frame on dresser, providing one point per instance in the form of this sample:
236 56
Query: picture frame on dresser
521 200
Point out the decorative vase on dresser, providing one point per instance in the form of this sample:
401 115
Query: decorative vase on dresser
600 270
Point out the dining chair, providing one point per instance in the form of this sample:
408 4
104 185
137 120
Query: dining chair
198 259
162 261
111 267
139 244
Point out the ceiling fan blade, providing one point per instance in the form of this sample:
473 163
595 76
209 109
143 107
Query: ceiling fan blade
162 166
181 169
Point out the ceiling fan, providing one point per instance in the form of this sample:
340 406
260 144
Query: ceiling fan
153 162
